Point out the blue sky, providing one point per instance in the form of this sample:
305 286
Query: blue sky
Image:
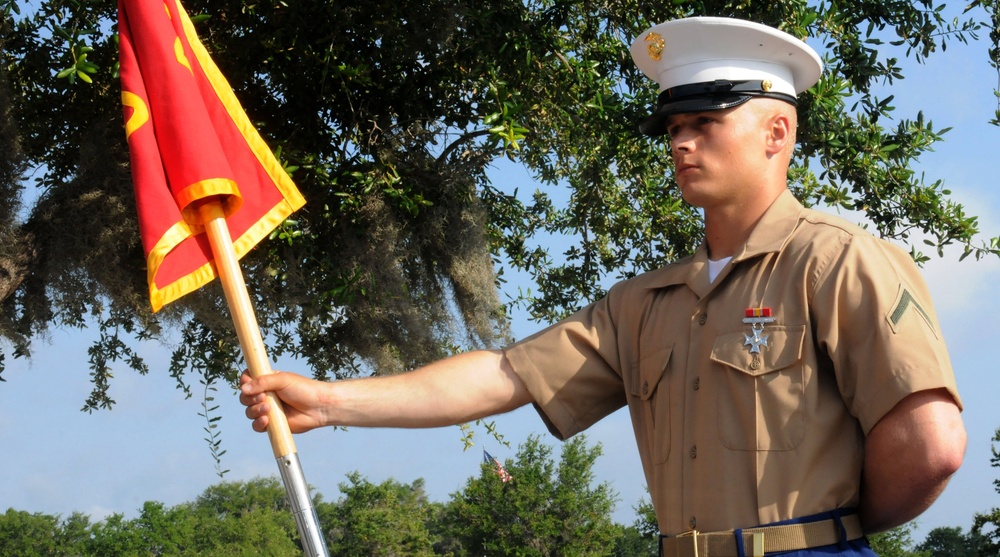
149 447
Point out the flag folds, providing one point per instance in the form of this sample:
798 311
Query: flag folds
189 141
500 470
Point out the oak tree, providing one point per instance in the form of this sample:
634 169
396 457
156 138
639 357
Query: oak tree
398 121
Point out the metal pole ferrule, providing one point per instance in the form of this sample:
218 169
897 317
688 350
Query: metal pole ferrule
301 505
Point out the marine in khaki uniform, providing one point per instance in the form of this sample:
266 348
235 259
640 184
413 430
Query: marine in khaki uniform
788 383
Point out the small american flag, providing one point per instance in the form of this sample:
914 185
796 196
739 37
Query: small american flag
501 471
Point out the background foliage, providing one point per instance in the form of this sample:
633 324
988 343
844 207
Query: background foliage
392 117
550 509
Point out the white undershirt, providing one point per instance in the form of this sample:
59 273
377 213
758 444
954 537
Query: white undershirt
715 267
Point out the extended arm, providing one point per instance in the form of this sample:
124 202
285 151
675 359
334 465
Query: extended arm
451 391
910 455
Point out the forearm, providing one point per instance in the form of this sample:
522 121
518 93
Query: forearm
909 457
451 391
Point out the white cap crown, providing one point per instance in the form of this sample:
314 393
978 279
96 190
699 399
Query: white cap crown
709 63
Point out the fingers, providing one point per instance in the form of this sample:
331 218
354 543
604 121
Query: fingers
280 391
254 398
258 412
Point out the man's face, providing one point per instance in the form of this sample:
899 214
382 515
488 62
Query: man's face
717 154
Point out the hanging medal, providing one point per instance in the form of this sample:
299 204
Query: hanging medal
757 318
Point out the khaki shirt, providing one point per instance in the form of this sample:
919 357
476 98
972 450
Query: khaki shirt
733 437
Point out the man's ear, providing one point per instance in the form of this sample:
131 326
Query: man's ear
779 133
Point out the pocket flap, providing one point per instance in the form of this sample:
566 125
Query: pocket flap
651 369
783 348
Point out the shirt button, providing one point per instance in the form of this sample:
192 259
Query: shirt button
645 387
694 451
702 319
693 523
697 383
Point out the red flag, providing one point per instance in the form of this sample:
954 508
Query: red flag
190 140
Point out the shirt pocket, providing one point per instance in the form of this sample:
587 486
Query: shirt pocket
761 395
650 396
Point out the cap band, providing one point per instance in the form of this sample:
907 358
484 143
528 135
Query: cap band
757 88
703 97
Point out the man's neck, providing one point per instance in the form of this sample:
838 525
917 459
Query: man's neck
725 239
727 228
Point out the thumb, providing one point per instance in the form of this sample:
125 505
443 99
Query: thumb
263 383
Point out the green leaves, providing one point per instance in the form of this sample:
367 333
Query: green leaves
380 520
549 508
81 67
213 438
78 50
109 348
460 160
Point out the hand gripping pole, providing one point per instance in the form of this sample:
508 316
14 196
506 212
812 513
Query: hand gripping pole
254 352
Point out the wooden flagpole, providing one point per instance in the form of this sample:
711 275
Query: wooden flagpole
255 354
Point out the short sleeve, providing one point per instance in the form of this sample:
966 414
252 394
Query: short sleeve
875 321
572 370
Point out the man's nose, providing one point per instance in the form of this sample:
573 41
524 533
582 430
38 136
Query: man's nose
682 142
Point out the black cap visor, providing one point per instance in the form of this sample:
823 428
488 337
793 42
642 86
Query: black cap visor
701 97
655 124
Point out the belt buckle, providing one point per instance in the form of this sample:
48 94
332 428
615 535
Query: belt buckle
693 534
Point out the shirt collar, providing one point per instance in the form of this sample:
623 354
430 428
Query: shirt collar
769 235
773 228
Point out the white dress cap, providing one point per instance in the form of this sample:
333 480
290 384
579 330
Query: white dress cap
710 63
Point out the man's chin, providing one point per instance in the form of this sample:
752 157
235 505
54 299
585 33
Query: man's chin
692 196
